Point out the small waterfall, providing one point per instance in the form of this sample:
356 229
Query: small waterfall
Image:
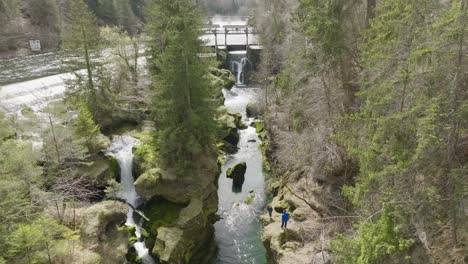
121 149
240 68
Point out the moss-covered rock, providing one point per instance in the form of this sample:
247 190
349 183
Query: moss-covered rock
101 170
222 78
238 120
237 173
169 245
165 184
101 231
227 131
249 199
144 158
160 212
253 110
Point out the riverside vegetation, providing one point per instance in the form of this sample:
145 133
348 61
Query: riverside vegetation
366 118
61 203
364 133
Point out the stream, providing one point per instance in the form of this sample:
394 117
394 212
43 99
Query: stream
121 149
238 232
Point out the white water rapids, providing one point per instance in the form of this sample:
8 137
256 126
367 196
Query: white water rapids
121 149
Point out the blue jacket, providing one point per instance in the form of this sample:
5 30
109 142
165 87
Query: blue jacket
285 216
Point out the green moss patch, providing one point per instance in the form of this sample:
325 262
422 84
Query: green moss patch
160 213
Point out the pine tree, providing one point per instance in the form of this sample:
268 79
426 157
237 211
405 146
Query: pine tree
182 105
82 35
86 128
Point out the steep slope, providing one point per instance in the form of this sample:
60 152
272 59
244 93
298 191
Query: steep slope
360 96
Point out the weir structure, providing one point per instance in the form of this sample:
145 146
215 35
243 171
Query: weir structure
232 39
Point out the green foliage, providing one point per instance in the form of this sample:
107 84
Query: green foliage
85 126
160 213
8 9
6 130
81 29
45 13
31 243
322 22
373 241
400 134
183 110
118 13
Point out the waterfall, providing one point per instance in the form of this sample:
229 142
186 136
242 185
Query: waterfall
240 67
121 149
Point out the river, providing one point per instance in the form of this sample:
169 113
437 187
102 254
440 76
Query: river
237 234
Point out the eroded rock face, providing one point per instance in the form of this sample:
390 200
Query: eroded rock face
187 235
237 174
101 231
156 182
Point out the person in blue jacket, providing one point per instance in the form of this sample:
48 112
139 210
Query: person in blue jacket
284 218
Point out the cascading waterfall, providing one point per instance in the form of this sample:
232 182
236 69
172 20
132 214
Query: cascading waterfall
240 67
121 149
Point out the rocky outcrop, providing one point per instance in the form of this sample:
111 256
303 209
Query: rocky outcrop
101 231
101 170
253 110
228 125
184 235
237 174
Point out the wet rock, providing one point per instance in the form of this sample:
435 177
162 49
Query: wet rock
228 131
237 173
238 120
101 231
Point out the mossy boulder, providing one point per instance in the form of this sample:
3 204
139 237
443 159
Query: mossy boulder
102 230
253 110
165 184
160 212
238 120
144 156
259 126
222 78
249 199
227 131
237 174
101 170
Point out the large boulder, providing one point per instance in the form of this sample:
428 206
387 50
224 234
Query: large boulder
156 182
237 174
101 170
253 110
228 130
101 231
169 245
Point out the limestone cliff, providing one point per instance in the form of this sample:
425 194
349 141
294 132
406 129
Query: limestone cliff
181 211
